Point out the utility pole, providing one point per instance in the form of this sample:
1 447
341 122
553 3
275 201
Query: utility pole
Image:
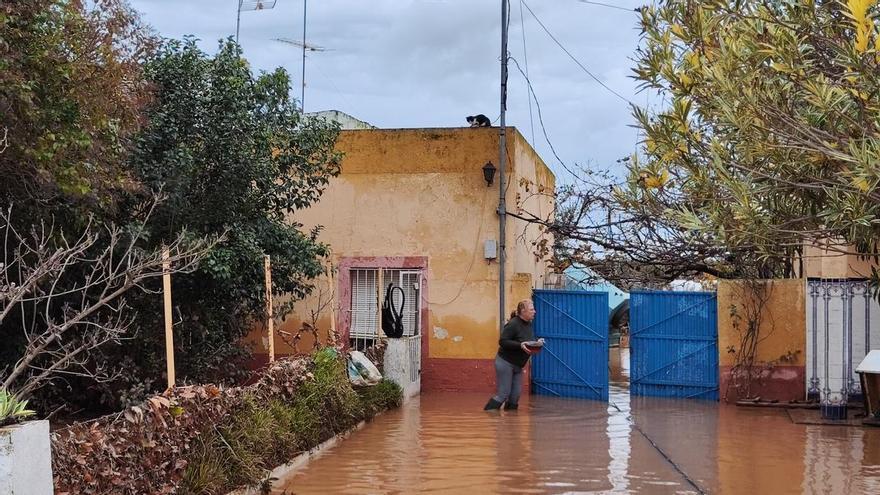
238 21
502 168
302 98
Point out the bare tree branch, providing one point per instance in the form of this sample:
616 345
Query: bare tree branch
65 316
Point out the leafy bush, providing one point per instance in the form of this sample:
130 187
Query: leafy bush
12 410
380 397
232 154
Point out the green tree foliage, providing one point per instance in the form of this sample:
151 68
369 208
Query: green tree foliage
233 156
71 94
770 137
97 121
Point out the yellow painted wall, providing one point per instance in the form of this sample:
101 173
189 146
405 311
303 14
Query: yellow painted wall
534 195
783 322
420 192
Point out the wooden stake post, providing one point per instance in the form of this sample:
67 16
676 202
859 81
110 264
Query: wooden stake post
169 334
333 303
270 321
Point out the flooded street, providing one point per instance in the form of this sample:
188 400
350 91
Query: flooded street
445 443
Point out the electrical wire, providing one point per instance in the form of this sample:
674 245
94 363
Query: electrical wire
636 9
522 20
333 84
576 61
541 120
507 5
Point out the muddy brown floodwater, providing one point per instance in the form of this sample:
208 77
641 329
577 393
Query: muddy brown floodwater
445 443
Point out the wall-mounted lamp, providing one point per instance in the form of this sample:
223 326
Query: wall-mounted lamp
489 173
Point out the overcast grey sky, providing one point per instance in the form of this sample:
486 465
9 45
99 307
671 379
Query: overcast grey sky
430 63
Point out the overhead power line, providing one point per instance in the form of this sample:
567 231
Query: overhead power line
576 61
618 7
522 20
541 119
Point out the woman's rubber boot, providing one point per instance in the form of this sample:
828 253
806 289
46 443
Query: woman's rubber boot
492 405
511 407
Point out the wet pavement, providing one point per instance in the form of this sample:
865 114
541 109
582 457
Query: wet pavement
445 443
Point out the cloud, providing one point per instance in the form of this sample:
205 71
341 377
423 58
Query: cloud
425 63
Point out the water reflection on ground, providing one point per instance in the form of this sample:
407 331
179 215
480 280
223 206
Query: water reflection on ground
445 443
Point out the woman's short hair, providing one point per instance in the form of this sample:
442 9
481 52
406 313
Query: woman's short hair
520 306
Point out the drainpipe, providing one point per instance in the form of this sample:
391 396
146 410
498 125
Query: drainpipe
502 168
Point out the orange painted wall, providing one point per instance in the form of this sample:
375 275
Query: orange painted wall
784 323
782 333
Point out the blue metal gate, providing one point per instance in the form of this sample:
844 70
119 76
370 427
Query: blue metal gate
574 361
674 344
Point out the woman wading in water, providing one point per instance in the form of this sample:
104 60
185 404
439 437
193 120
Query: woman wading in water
513 354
